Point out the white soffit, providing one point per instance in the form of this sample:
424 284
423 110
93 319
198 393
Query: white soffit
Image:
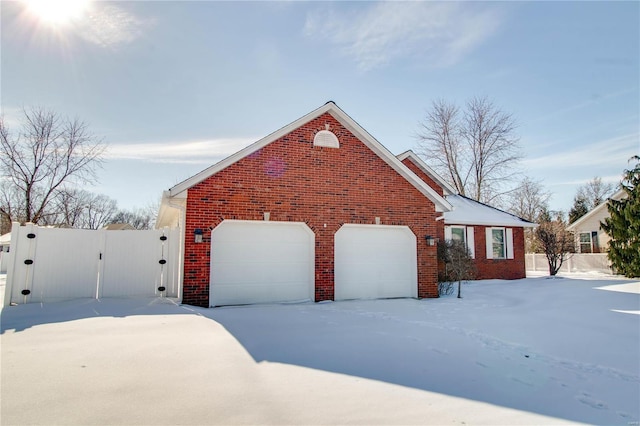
470 212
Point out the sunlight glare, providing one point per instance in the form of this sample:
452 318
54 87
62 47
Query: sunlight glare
57 12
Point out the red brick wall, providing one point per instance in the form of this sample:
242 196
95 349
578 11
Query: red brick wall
295 181
506 269
430 182
425 177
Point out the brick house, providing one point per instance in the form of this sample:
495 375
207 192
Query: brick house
318 210
494 238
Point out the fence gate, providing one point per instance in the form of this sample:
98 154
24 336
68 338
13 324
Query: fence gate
50 264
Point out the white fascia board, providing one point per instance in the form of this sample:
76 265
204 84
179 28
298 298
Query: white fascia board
428 170
441 204
513 224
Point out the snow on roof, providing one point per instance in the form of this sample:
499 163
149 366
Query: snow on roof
470 212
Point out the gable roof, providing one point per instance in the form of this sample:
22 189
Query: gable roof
466 211
330 107
471 212
448 189
594 211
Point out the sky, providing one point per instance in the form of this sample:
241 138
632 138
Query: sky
173 87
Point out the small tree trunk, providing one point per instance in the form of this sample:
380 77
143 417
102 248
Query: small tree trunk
459 297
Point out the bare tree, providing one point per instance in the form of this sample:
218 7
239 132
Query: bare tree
139 218
595 192
100 210
441 143
476 151
47 152
458 265
529 200
555 241
589 196
5 225
78 208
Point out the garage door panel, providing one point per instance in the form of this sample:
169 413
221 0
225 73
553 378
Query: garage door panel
375 262
256 250
261 262
260 273
249 293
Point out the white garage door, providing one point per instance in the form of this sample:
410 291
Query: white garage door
261 262
375 261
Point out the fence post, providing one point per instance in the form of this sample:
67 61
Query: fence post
11 266
101 250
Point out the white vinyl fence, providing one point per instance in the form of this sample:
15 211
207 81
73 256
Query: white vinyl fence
576 262
51 264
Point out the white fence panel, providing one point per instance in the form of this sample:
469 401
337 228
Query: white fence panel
576 262
131 264
172 254
65 264
50 264
20 275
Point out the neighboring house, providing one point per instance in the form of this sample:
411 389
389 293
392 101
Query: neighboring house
590 238
318 210
494 238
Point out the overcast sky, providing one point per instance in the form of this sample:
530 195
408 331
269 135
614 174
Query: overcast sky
174 87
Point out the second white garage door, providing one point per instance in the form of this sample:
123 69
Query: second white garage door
375 261
261 262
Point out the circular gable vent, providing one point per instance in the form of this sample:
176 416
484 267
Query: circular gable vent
326 138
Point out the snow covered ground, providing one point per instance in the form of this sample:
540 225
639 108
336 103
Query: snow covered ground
532 351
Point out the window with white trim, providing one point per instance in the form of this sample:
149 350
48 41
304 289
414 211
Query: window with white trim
461 233
499 242
458 234
589 242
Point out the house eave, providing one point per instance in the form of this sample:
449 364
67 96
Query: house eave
427 170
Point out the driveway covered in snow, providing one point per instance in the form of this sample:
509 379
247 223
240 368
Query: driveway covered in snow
530 351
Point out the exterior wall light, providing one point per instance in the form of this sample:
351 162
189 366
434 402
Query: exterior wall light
430 240
197 233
